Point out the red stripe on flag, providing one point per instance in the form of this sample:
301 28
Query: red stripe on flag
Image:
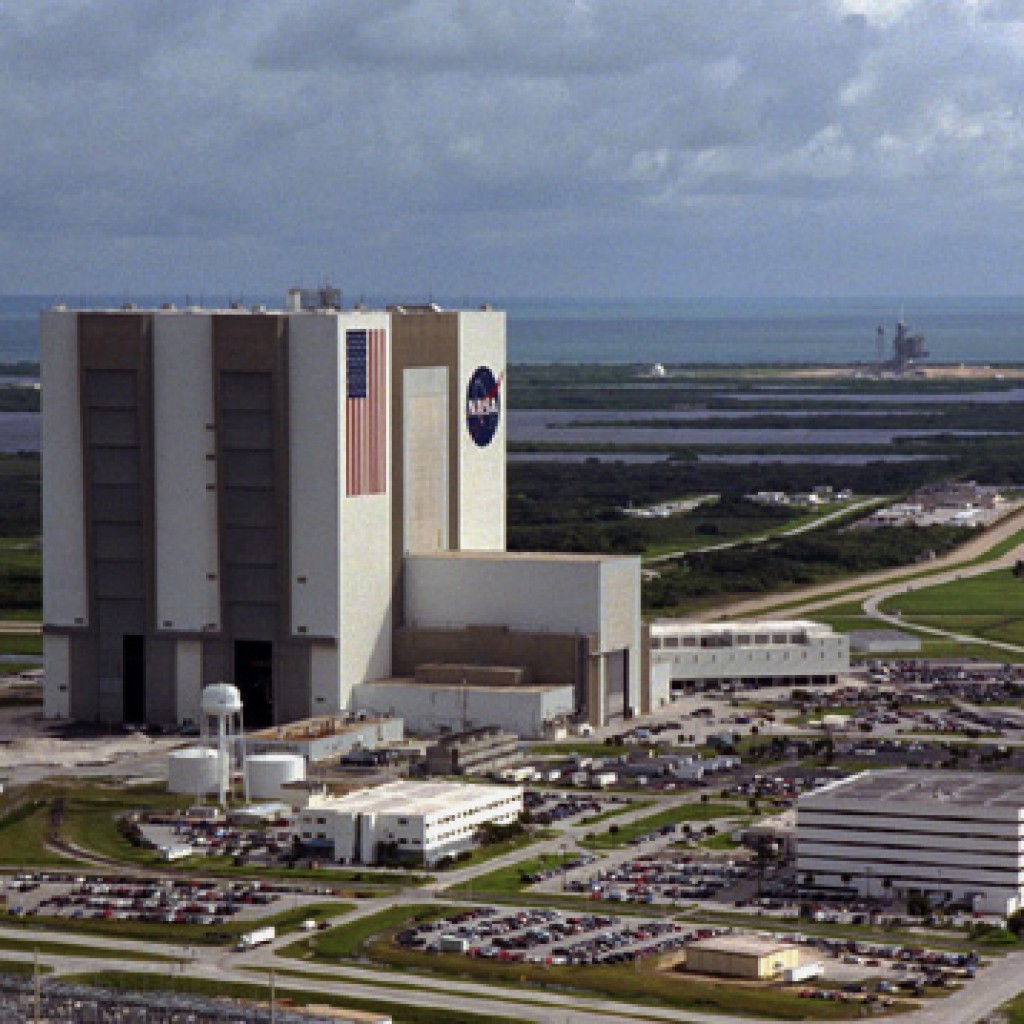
366 424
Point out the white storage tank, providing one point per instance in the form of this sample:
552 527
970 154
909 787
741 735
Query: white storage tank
194 770
267 774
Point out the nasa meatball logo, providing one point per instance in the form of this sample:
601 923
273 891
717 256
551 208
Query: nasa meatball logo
483 405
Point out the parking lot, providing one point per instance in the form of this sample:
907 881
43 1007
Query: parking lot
546 936
665 877
547 808
155 901
555 937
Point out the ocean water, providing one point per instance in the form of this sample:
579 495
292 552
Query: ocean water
698 331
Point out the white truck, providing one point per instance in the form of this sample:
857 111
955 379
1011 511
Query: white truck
257 937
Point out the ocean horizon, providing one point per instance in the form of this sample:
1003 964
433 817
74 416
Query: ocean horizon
712 331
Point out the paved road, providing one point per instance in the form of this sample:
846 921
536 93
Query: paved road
17 626
807 599
871 604
761 538
997 983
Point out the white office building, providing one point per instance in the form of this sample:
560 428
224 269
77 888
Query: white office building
949 835
421 821
284 500
759 653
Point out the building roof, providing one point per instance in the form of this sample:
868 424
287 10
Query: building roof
424 798
744 945
973 790
490 687
681 627
518 556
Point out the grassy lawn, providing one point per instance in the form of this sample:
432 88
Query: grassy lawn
622 834
399 1012
22 967
223 865
1013 1011
633 805
88 819
848 616
722 841
348 941
509 879
81 949
642 982
20 578
1000 549
25 822
21 643
990 606
482 854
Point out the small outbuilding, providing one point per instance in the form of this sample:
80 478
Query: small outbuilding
741 956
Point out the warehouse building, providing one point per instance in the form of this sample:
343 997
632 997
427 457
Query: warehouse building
946 835
301 502
417 821
741 956
687 655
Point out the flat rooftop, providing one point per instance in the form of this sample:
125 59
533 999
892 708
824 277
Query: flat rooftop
746 945
317 728
517 556
424 798
467 687
916 786
678 626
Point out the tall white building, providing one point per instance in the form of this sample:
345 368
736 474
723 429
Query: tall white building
951 835
231 495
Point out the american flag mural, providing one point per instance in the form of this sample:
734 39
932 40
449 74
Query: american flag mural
365 412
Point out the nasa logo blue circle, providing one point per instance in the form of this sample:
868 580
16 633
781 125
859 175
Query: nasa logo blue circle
483 405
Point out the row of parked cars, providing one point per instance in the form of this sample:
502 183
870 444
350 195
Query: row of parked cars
168 901
549 937
668 876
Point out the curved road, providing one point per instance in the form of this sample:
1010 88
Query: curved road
861 588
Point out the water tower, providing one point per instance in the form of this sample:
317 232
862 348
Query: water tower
222 721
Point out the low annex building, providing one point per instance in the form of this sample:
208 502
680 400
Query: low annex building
947 835
687 654
741 956
420 821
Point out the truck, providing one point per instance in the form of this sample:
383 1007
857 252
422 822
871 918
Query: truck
257 937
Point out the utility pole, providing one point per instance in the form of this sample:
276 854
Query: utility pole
273 998
35 983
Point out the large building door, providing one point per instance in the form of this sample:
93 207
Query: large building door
254 677
133 679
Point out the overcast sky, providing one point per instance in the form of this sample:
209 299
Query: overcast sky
513 147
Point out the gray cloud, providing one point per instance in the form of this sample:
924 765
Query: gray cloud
498 148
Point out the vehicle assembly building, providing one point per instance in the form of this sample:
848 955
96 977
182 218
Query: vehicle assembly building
304 503
947 835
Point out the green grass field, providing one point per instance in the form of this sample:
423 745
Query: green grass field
622 834
20 578
509 880
990 606
21 643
